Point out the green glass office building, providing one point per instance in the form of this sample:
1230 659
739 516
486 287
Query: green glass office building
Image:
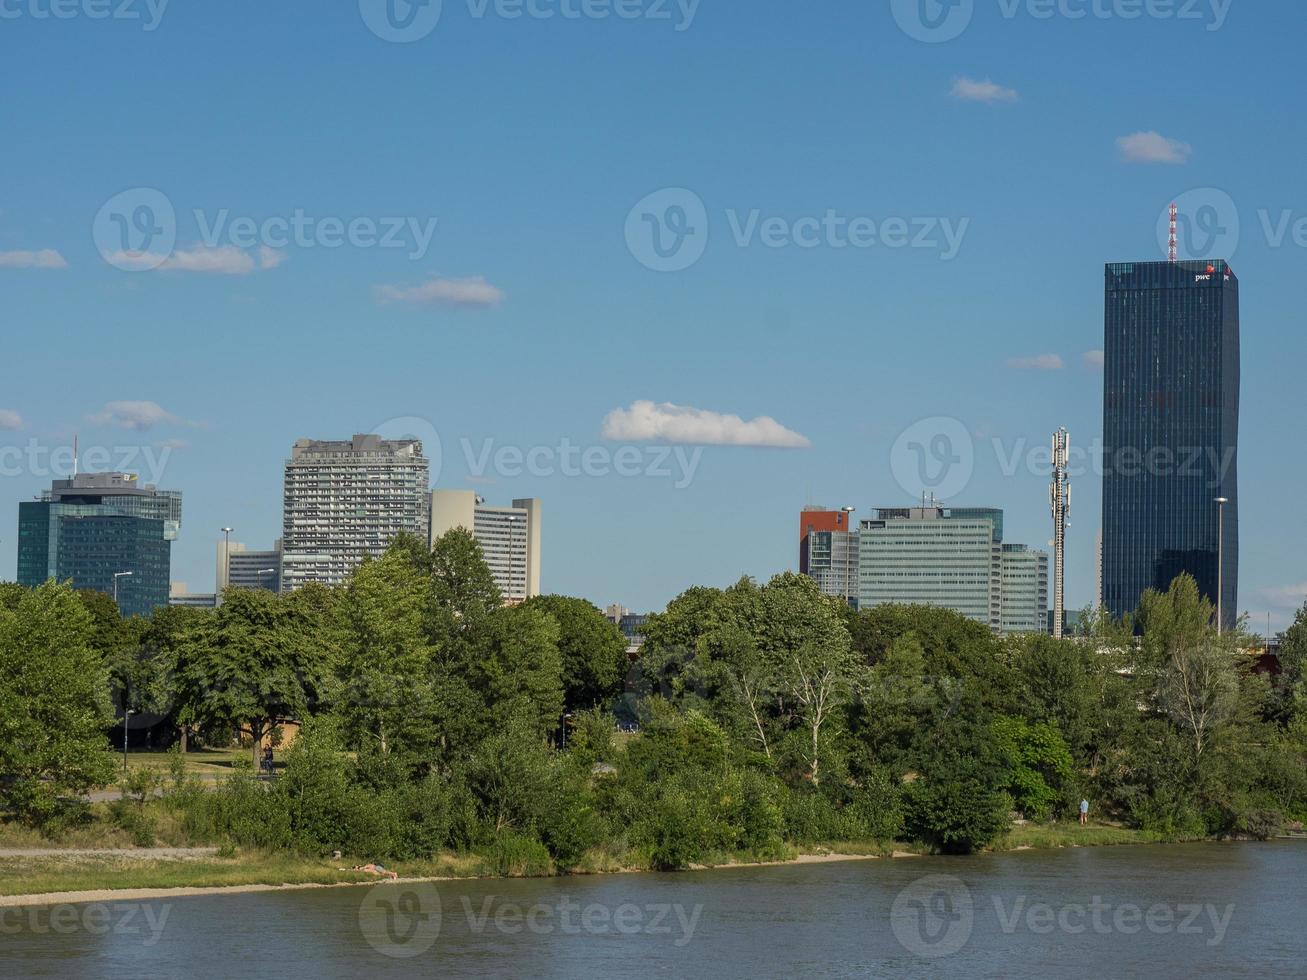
96 527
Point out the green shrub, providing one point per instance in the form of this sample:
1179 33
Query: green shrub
1260 824
955 812
133 818
518 856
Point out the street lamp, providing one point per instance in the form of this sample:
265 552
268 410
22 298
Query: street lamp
1220 562
127 713
265 571
225 580
116 577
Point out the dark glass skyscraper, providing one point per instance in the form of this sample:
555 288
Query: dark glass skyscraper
1170 430
98 525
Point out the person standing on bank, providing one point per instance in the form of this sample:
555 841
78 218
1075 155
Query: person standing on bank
1084 812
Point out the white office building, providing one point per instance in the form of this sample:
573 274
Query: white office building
240 568
509 537
953 558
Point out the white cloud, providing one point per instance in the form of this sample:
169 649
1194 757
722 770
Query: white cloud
970 90
46 258
648 422
1093 359
171 444
137 416
10 420
1040 362
471 293
224 260
270 258
1153 147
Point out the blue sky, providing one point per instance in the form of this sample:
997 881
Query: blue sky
530 316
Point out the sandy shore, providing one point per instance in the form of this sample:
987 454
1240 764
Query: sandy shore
110 896
118 895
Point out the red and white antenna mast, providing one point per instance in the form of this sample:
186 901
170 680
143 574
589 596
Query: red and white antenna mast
1173 249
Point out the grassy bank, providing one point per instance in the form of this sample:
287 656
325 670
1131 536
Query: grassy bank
1043 836
78 873
74 872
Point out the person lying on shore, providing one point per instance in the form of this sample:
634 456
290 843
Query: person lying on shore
376 869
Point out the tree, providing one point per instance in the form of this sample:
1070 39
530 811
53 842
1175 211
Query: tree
463 588
1198 690
593 651
951 644
819 680
1078 687
1291 688
386 654
261 660
956 801
1193 669
54 704
1039 764
11 594
519 677
163 638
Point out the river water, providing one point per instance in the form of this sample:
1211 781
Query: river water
1202 910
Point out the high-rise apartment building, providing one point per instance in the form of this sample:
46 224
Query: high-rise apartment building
954 558
509 537
104 532
346 500
828 551
1170 431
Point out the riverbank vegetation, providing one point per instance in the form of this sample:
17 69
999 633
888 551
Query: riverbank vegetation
434 723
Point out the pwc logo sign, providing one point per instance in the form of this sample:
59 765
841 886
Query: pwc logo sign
1211 275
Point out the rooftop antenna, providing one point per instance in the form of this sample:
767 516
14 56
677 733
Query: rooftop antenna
74 454
1173 249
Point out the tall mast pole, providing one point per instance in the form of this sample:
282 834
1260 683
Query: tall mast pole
1059 496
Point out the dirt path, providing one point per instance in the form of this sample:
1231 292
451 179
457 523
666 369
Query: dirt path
135 852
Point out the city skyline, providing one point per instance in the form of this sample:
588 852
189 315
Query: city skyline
531 318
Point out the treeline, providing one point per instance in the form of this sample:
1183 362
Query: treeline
437 719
